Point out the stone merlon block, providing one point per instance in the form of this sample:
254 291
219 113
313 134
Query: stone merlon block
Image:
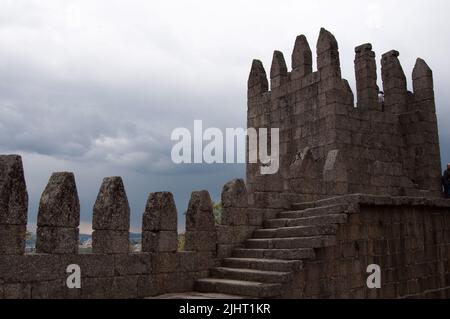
302 56
57 240
160 213
199 215
278 67
328 62
392 71
59 205
234 194
13 191
363 49
422 76
258 77
326 42
111 209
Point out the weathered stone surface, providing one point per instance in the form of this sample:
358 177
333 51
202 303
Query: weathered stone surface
56 289
146 286
57 240
199 215
59 205
125 287
278 70
165 262
111 209
328 62
163 241
12 239
423 79
302 57
13 191
201 241
15 291
110 242
366 77
234 194
257 81
29 268
133 264
160 213
92 265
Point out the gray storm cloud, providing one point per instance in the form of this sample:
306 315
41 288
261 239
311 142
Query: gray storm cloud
96 86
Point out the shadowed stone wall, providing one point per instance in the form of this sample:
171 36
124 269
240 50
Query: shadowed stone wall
111 271
331 146
409 238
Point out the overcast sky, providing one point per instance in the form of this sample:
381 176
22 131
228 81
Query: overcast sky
97 86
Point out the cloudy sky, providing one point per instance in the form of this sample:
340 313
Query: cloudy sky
97 86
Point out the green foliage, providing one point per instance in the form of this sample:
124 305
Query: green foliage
181 242
217 211
28 235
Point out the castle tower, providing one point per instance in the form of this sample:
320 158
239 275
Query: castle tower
328 145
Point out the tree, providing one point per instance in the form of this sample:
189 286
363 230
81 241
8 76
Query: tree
217 211
28 235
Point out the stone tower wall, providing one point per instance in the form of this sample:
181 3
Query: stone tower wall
331 146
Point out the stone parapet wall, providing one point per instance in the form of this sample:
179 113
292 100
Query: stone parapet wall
409 238
111 271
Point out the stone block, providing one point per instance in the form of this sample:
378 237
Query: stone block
111 209
165 262
110 242
56 289
163 241
13 191
91 265
12 239
160 213
30 268
201 241
57 240
133 264
97 288
15 291
59 205
125 287
199 215
234 195
146 286
187 261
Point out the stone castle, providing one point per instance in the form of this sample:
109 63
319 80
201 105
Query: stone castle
358 185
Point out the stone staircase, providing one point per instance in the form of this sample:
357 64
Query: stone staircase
267 262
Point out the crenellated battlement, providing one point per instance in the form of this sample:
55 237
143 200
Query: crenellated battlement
331 146
308 231
111 270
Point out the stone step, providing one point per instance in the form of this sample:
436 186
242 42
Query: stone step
302 206
251 275
280 231
308 221
196 295
238 287
284 254
291 243
339 200
263 264
313 212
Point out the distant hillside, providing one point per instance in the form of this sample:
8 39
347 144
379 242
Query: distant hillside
135 238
